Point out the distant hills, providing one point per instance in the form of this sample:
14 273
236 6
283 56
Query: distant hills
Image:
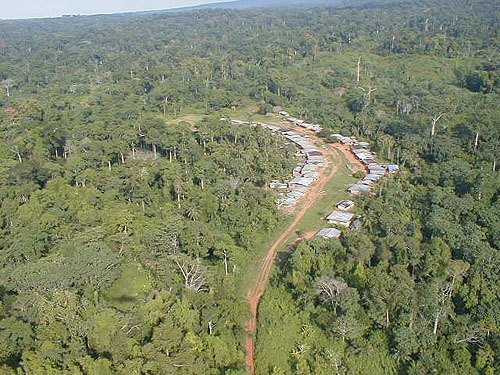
246 4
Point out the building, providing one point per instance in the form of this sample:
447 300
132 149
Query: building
372 177
278 185
340 218
345 205
309 168
316 159
393 168
295 194
286 202
299 188
329 233
302 181
314 153
359 189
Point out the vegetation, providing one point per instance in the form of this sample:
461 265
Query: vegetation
130 215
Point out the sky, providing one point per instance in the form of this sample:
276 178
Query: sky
12 9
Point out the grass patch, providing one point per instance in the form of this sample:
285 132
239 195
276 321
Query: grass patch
247 262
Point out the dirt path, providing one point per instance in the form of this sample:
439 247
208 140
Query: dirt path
259 285
358 165
257 289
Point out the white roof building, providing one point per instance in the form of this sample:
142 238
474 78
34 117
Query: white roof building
303 181
329 233
345 205
340 218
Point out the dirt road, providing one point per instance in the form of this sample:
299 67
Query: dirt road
332 160
257 289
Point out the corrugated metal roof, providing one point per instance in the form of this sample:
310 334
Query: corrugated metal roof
329 233
302 181
340 216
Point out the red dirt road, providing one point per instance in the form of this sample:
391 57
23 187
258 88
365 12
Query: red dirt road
258 287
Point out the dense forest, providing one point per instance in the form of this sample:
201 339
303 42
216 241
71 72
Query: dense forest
130 215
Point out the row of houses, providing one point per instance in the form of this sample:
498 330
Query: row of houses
362 151
340 217
310 159
304 124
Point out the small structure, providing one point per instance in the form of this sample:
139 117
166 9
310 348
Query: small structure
340 218
301 189
314 153
378 171
359 189
277 185
302 181
345 205
338 136
393 168
329 233
286 202
295 194
313 175
309 168
347 140
316 159
372 177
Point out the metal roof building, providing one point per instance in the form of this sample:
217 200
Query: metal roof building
345 205
359 189
303 181
340 218
329 233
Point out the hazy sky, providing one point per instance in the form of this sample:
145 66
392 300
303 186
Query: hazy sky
53 8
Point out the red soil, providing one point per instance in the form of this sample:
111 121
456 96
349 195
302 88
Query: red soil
259 285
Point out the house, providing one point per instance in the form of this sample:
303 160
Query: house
347 140
295 194
286 202
316 159
364 144
270 127
314 153
239 122
372 177
340 218
345 205
302 181
302 189
359 189
313 175
278 185
329 233
392 168
338 136
309 168
376 169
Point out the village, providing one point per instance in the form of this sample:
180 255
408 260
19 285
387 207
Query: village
309 167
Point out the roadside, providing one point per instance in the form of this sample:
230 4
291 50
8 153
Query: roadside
257 289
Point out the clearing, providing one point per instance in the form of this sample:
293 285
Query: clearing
334 157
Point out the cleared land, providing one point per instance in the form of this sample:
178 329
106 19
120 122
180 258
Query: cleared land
309 213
